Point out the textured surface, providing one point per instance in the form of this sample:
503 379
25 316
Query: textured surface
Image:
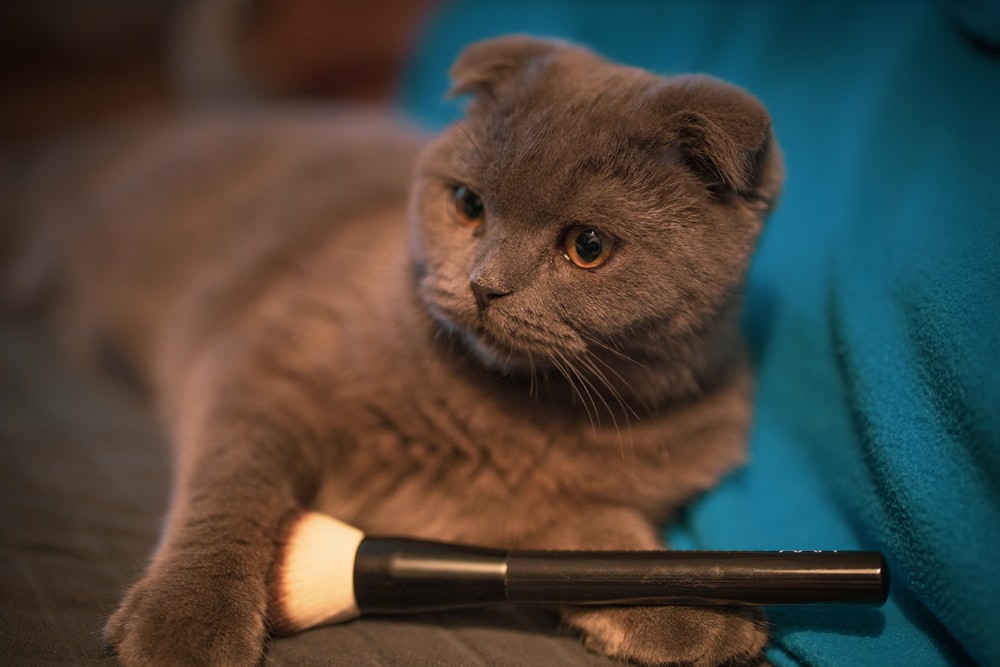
84 474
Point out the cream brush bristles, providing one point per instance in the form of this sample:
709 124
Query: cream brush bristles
313 581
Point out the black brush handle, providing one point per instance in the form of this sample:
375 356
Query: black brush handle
698 577
402 575
399 575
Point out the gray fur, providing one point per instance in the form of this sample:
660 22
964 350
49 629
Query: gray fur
308 349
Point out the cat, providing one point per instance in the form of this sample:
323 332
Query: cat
522 332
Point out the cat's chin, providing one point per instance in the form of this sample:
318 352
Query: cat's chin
487 350
495 356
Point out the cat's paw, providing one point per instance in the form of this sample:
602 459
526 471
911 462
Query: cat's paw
689 636
176 619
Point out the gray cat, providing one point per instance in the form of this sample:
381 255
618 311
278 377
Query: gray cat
528 339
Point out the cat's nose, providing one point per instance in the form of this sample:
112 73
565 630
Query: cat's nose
485 294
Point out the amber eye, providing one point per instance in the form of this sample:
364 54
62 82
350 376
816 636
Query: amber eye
468 206
586 248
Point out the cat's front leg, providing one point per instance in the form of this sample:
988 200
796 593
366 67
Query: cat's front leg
203 599
669 635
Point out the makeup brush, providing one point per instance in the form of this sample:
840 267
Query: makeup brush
329 571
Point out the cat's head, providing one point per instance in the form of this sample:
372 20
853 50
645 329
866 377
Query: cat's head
585 208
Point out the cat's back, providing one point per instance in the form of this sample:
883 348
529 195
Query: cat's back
116 228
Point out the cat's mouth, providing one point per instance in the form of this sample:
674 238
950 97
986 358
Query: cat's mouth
489 350
492 350
497 354
507 342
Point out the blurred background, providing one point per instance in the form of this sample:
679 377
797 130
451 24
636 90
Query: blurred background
66 64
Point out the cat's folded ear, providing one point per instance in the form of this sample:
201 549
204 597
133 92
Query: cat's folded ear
486 67
724 134
720 131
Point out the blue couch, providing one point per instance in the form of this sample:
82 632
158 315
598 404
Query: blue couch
873 310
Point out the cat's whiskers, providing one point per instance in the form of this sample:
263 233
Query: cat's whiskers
532 388
592 369
565 368
625 405
590 363
613 349
585 384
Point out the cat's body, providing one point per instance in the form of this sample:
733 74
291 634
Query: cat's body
458 377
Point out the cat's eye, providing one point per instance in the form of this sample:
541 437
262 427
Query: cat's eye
468 206
586 247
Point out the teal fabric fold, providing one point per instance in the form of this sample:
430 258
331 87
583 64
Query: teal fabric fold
873 308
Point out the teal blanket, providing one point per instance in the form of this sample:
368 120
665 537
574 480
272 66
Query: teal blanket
873 308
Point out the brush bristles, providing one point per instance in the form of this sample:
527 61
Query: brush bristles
313 579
